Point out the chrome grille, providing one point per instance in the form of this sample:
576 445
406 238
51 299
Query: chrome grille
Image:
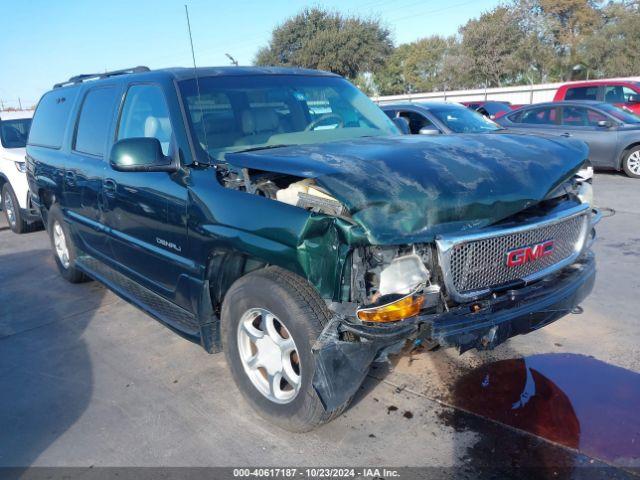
479 263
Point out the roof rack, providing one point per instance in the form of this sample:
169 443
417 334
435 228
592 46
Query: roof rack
90 76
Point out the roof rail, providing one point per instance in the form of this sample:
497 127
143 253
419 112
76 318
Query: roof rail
90 76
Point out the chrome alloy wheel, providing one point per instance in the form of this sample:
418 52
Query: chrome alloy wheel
633 162
269 355
9 208
60 244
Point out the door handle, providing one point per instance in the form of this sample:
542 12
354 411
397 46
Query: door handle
109 186
70 178
565 134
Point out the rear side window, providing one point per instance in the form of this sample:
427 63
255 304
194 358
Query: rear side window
582 93
51 117
94 120
145 114
536 116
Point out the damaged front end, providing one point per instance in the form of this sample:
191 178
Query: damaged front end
435 242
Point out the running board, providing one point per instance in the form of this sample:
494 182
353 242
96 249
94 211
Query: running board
150 302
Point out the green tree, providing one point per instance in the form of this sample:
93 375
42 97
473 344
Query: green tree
568 23
612 50
492 43
317 38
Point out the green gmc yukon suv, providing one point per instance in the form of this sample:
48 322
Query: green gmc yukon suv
280 216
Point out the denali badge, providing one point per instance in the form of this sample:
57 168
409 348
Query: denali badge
520 256
165 243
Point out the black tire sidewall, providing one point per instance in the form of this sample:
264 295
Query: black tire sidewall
255 292
20 225
626 159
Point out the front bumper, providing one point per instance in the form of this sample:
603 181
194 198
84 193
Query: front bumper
345 350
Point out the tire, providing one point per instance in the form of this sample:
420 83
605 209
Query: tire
631 163
11 209
58 230
300 314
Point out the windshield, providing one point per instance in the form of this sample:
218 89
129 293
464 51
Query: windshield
237 113
619 114
14 133
463 120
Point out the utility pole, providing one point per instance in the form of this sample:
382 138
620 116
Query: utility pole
19 103
234 62
1 104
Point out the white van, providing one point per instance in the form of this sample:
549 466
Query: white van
16 203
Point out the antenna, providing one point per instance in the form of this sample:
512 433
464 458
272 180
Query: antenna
233 61
195 74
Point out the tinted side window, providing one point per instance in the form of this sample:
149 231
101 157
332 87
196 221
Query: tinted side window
51 117
145 114
94 120
582 93
390 113
539 116
416 121
618 94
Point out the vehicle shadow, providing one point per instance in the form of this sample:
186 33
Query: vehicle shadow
46 379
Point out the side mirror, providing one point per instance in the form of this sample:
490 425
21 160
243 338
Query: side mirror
605 124
140 155
402 124
429 130
633 98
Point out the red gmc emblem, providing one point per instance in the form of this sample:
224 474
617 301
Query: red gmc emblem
520 256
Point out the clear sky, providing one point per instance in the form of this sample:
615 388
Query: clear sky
45 41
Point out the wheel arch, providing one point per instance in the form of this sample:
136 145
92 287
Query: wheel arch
624 153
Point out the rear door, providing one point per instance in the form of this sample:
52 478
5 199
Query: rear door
146 211
582 123
85 168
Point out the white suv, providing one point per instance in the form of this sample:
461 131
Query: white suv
16 203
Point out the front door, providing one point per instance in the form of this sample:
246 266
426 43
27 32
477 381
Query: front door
581 123
146 211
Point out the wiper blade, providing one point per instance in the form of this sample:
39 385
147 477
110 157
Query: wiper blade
263 147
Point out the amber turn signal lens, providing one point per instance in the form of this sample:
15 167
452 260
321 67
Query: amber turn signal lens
392 312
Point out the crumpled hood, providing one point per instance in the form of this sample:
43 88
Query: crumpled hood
14 154
405 189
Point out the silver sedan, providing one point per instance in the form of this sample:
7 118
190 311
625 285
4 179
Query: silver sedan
613 134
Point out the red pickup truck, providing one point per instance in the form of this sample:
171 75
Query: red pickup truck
622 93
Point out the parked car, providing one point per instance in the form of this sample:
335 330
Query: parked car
490 108
613 135
279 215
15 201
429 118
624 94
434 118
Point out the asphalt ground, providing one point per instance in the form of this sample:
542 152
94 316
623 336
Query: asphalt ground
87 380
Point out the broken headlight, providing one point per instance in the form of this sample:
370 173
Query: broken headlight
585 193
403 276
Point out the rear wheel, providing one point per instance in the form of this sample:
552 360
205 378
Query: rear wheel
64 250
631 163
270 320
11 209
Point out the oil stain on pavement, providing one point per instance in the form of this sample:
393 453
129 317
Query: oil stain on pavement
573 400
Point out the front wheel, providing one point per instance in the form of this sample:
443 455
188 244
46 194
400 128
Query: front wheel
631 163
270 320
12 211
